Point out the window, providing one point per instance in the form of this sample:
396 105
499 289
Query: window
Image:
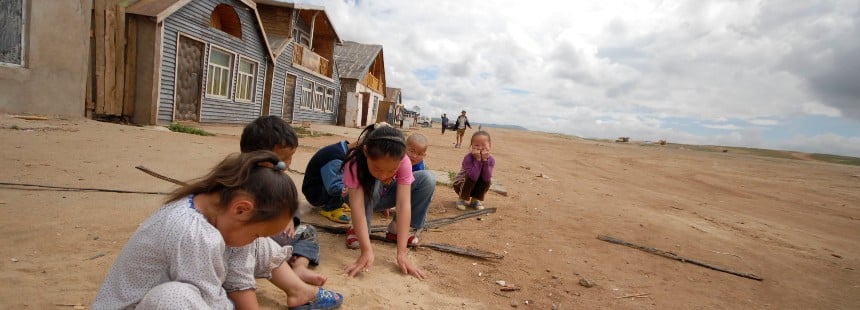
319 97
224 18
218 78
301 37
11 32
329 100
245 85
307 95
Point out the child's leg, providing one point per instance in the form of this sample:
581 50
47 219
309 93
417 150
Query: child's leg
270 264
422 193
480 189
467 189
306 253
173 295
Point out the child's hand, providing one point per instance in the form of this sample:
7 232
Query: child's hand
485 155
408 268
476 153
363 264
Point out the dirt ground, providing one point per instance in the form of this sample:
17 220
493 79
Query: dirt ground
794 223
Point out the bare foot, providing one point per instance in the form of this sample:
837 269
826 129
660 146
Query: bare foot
304 295
309 276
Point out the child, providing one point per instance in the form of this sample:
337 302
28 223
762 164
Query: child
377 175
475 177
461 124
416 149
178 258
323 182
275 134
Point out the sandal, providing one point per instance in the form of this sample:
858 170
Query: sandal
352 239
412 241
325 299
337 215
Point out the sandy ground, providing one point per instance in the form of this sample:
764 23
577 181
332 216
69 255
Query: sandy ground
794 223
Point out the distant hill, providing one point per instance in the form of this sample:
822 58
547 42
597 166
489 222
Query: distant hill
488 125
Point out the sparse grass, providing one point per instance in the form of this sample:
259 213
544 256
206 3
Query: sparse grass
176 127
452 175
836 159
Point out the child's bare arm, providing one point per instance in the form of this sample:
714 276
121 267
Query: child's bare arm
244 299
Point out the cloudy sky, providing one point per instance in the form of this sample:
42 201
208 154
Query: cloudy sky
779 74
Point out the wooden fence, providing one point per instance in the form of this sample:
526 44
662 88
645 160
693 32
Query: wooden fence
110 79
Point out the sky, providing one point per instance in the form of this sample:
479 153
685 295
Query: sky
778 74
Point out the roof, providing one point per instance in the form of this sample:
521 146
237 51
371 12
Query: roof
323 25
392 94
353 59
161 9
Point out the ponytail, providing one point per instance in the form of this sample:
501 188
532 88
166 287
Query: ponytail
380 140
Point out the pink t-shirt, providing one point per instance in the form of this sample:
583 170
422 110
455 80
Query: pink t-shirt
403 176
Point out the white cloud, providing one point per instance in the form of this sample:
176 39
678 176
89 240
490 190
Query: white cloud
609 68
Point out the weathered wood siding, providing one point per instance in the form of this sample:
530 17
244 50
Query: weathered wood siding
284 66
193 20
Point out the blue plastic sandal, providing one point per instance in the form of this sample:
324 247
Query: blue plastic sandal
325 300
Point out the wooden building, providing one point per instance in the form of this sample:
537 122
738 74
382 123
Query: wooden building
303 84
388 106
362 82
201 60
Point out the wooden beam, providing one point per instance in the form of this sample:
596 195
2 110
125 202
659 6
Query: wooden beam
119 97
110 60
99 20
129 90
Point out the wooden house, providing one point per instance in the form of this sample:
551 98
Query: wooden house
44 48
303 83
362 82
201 60
388 105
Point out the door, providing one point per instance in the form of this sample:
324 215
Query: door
189 74
351 110
289 98
365 106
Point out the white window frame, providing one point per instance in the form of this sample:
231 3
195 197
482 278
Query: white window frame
307 101
319 97
243 78
22 61
219 69
329 100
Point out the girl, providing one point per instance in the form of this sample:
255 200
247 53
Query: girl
178 258
377 175
476 175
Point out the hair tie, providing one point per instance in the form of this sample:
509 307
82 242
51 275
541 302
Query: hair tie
281 166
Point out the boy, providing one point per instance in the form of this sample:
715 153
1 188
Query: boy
323 182
461 124
416 149
274 134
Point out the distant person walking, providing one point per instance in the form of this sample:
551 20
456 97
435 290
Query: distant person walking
462 123
444 122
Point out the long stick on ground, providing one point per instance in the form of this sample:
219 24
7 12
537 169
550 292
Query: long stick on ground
38 187
676 257
432 223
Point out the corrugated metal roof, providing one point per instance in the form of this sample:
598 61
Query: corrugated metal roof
353 59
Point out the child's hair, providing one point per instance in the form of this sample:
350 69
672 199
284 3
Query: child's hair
267 132
259 174
381 140
417 138
481 133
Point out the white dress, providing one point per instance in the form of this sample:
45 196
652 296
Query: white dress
176 259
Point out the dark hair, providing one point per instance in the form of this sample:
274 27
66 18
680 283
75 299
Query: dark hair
253 173
481 133
267 132
381 140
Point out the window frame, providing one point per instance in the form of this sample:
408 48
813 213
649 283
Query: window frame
252 76
328 107
22 58
209 71
319 97
307 99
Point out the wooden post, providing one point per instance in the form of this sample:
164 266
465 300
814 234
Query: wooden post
99 20
110 60
130 69
119 50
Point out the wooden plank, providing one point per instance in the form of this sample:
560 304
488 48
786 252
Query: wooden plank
90 100
156 74
120 60
130 69
99 20
110 59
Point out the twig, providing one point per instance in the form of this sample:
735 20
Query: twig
726 253
633 295
160 176
676 257
496 293
38 187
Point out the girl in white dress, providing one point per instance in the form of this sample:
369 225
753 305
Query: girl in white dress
178 258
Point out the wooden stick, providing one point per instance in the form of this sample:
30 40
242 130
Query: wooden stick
676 257
633 295
38 187
160 176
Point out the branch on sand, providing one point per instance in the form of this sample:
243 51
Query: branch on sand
676 257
